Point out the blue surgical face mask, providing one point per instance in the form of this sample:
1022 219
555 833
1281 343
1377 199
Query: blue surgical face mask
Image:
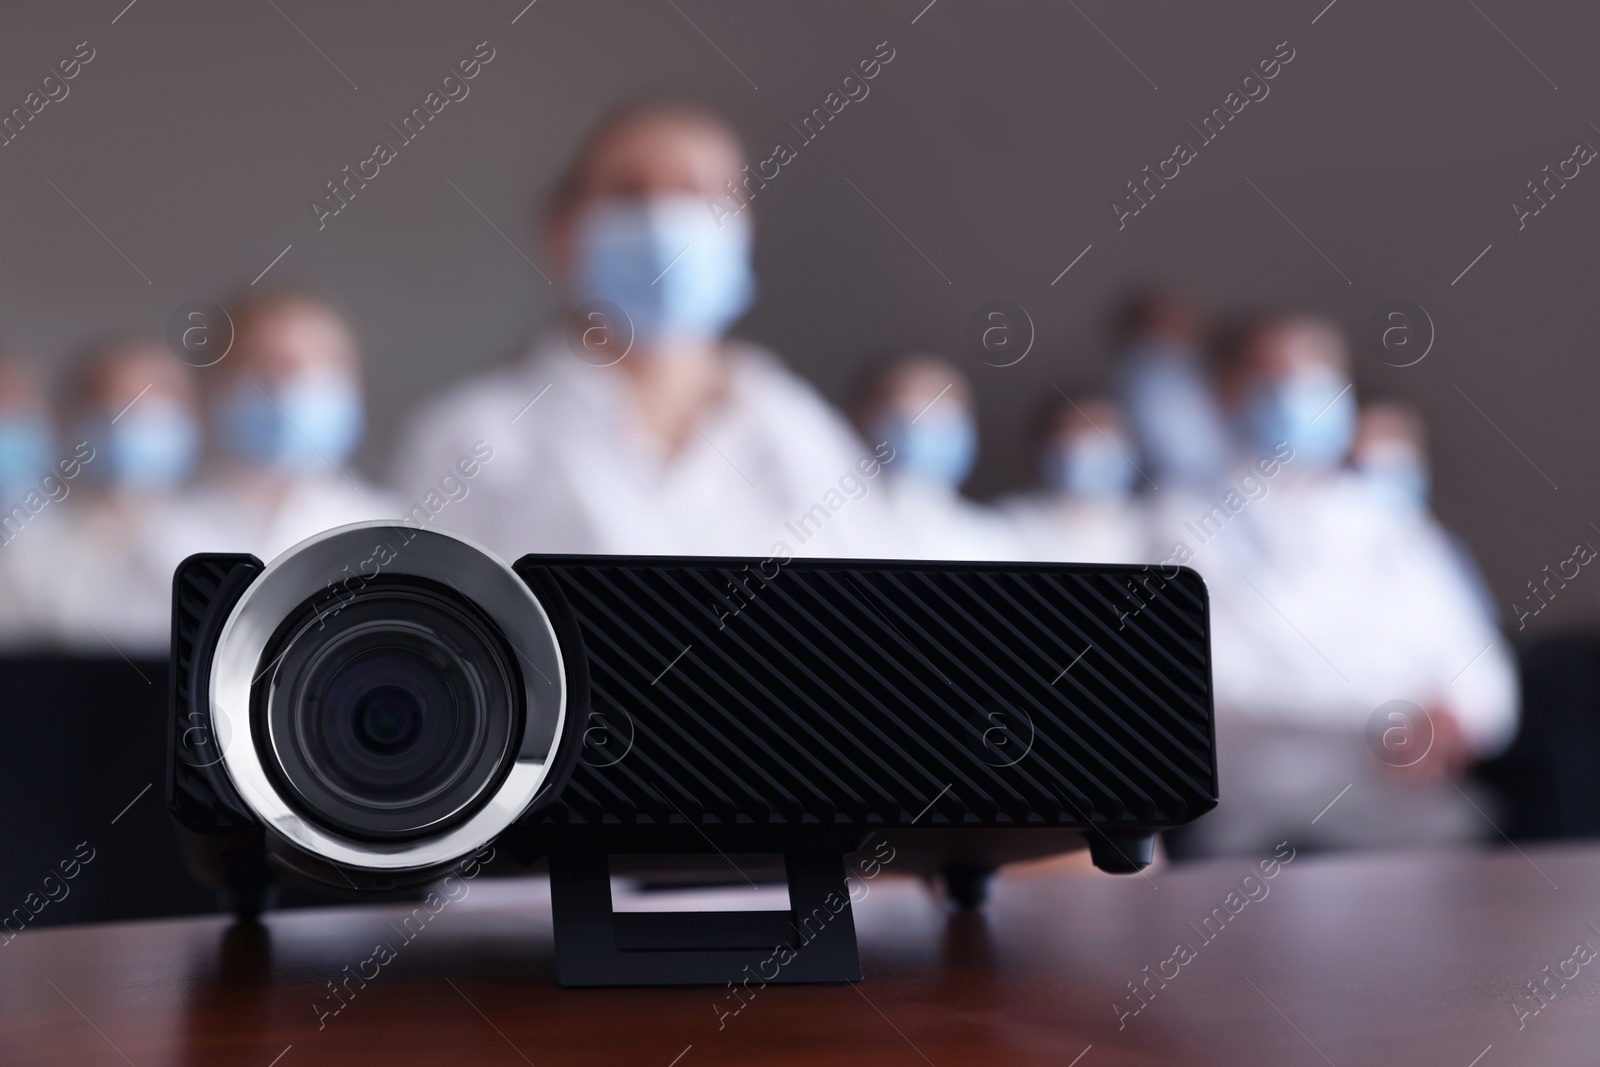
678 272
297 426
1172 413
24 453
938 448
1313 409
151 446
1091 467
1397 474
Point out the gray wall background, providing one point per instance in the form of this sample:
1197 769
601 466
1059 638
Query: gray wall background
995 141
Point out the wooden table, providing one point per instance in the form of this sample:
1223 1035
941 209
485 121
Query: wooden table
1376 959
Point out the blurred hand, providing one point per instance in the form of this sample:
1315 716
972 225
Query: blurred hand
1448 756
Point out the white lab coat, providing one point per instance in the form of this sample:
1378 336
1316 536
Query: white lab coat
1060 528
927 520
105 581
1325 604
29 609
773 469
96 578
232 514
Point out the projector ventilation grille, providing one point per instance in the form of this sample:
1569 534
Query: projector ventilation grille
882 693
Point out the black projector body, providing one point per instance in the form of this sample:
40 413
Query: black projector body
383 701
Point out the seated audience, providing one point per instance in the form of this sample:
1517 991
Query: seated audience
1326 607
124 525
1391 455
1084 509
919 408
1389 452
1162 385
285 413
638 424
30 487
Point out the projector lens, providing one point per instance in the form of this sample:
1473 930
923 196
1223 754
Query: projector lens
391 712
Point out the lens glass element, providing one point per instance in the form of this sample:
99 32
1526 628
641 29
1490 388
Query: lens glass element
390 714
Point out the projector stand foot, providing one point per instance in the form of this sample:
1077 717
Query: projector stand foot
1121 853
813 942
968 883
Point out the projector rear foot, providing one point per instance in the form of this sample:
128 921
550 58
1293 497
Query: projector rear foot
247 900
968 883
1121 853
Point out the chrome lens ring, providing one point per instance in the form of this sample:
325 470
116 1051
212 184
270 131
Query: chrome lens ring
341 562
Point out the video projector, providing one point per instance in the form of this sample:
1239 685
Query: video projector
381 701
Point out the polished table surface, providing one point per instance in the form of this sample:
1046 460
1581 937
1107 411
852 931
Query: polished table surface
1391 958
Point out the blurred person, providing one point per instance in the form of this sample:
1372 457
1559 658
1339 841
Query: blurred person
1162 385
27 439
1327 605
920 406
285 411
1390 454
123 527
27 456
1085 509
639 425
